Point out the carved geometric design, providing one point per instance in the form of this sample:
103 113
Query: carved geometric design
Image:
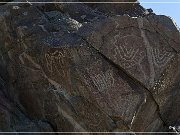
54 58
56 62
128 54
161 58
103 81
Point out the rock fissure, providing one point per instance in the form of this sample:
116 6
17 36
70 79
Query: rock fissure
133 80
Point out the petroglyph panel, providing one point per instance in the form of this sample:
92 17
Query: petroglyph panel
53 58
139 52
57 62
161 57
126 51
103 81
111 92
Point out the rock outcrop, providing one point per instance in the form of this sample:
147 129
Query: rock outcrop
86 68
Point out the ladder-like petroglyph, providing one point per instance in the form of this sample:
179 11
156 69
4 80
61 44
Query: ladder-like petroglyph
161 58
103 81
55 62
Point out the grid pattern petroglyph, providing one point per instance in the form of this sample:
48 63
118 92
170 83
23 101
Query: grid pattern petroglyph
103 81
55 62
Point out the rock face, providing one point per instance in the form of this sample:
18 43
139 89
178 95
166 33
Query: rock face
78 68
112 7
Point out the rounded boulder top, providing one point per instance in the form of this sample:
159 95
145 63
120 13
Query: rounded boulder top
111 5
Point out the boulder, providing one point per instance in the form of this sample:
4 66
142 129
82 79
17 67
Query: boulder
72 68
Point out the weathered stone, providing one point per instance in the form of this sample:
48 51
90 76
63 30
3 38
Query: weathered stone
69 67
118 5
127 42
167 29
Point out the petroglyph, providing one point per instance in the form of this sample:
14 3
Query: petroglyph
127 52
122 105
56 62
103 81
129 55
161 58
53 59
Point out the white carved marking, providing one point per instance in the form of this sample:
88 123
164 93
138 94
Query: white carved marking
129 55
54 59
103 81
161 58
56 62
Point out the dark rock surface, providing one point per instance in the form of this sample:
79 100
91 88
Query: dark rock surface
85 67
